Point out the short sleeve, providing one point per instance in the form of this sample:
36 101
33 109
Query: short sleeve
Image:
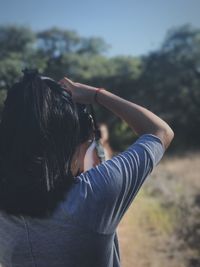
107 190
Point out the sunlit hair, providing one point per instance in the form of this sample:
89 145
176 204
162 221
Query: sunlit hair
39 132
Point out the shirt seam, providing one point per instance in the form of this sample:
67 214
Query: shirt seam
29 241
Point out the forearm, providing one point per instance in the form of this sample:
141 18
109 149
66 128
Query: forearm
140 119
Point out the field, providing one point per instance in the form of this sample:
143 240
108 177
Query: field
162 226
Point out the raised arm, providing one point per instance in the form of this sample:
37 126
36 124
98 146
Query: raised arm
141 120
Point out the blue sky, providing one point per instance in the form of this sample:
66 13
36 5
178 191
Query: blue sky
131 27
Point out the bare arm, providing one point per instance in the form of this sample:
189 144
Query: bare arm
141 120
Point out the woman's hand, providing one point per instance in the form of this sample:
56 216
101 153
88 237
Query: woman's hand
81 93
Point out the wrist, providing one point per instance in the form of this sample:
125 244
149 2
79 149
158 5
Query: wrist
97 92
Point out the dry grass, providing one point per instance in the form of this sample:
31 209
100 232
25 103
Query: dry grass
146 233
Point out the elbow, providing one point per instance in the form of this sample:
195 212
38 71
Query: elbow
167 136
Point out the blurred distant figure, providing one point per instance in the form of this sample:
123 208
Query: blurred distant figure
91 157
105 141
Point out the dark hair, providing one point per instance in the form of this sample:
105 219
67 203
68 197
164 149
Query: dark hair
40 129
86 123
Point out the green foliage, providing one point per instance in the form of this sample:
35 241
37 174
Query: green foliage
15 39
54 42
10 69
121 136
172 81
167 81
79 67
92 46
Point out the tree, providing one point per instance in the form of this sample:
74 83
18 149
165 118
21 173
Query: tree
93 46
15 44
15 39
170 76
167 81
54 42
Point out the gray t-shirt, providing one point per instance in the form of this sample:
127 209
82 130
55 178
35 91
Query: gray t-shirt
82 230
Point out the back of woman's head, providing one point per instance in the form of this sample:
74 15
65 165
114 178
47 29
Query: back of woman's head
39 132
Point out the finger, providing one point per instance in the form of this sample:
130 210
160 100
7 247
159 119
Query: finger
66 83
65 78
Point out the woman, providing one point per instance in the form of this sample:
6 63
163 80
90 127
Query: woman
51 212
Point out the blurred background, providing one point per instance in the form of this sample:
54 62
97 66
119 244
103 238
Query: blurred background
144 51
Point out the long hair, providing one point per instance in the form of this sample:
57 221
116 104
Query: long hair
39 132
